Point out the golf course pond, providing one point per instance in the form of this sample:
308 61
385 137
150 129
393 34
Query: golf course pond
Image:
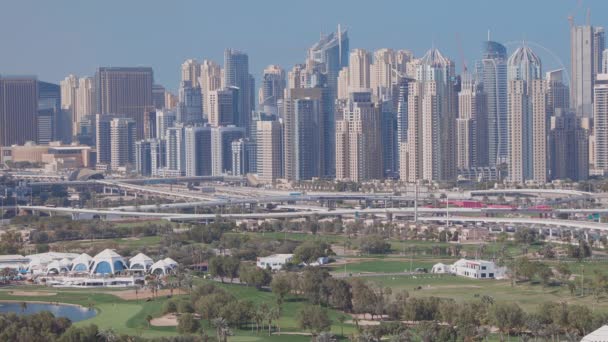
74 313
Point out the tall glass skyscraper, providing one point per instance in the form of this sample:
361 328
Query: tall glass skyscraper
492 75
331 54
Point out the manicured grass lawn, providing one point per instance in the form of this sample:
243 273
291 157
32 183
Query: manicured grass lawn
527 295
127 317
290 308
385 266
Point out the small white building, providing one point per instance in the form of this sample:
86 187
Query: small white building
599 335
440 268
475 269
275 261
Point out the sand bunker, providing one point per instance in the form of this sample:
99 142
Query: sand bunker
168 320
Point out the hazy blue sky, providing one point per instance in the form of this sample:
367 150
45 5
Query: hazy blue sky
52 38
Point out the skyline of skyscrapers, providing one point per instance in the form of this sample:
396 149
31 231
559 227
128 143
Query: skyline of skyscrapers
351 115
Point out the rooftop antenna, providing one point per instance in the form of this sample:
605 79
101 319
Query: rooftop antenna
588 16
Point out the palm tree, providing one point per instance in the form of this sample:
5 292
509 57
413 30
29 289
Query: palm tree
149 319
366 337
325 336
108 335
404 336
342 319
274 314
221 328
483 332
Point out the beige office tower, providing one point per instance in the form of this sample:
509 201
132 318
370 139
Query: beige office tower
210 80
191 71
122 142
528 131
293 76
600 123
171 100
85 100
388 67
69 99
527 113
269 151
358 141
411 67
410 153
343 84
431 134
359 69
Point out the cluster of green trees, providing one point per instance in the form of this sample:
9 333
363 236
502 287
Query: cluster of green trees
44 327
224 311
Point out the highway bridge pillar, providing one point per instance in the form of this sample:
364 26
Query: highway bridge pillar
331 204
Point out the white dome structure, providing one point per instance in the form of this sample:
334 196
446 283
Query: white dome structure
170 262
161 267
40 262
58 266
140 262
82 263
108 262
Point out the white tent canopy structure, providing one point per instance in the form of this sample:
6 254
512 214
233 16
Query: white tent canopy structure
140 262
162 267
58 266
82 263
108 262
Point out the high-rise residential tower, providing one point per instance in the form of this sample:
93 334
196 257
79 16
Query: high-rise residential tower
191 71
269 150
18 110
431 135
471 125
272 88
122 143
303 134
236 74
586 48
190 107
359 70
568 146
600 125
527 117
358 141
125 92
491 73
210 80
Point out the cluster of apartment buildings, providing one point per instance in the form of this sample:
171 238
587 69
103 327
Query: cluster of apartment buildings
346 114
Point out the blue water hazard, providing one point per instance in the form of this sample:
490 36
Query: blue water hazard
73 312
